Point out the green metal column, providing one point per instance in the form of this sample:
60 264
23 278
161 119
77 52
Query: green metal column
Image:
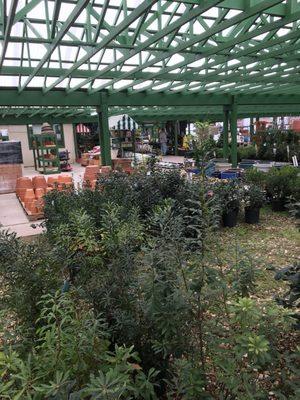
225 133
104 135
233 130
176 138
251 127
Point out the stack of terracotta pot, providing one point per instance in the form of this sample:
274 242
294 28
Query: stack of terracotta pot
90 176
31 191
122 164
60 182
105 170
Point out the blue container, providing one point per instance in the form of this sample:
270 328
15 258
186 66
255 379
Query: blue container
216 174
229 175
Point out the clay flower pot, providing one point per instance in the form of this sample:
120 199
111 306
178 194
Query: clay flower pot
106 170
40 205
30 206
52 181
39 181
22 184
67 179
39 193
29 195
92 169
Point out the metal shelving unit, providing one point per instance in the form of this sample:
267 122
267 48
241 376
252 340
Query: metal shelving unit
46 154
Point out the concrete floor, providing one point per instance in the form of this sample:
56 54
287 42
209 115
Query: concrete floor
12 215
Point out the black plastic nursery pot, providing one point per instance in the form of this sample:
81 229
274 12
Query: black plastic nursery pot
278 204
230 218
252 215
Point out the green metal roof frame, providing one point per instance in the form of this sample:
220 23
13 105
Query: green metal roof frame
145 53
27 115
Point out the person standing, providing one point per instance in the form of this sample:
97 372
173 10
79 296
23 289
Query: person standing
163 141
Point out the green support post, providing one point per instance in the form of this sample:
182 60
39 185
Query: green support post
104 135
176 138
251 127
225 133
233 129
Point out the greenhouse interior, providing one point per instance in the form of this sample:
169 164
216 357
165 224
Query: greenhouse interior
150 199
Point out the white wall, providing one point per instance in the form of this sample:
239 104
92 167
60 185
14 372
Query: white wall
69 141
19 132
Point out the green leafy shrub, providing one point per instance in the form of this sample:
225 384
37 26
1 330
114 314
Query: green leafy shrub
246 153
28 271
273 145
282 182
141 253
229 194
254 176
253 196
72 359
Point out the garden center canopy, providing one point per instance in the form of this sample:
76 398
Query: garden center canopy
164 58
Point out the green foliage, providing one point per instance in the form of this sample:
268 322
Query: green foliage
253 196
278 139
28 271
246 153
243 274
229 194
254 176
283 182
177 321
72 358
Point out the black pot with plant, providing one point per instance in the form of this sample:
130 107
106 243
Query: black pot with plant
229 195
253 198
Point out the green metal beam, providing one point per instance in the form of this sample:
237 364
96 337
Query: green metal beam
25 10
225 133
207 4
104 135
56 11
68 23
8 27
188 43
111 36
233 130
207 53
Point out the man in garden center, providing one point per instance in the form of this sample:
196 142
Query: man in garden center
162 136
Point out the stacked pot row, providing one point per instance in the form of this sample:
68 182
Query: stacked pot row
122 164
91 173
31 191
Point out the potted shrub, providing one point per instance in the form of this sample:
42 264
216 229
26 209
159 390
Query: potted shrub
229 195
280 185
253 198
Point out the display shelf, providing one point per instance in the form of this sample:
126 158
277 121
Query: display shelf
45 145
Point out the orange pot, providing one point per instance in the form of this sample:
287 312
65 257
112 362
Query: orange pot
29 195
92 169
39 193
39 181
52 181
22 184
65 179
30 206
39 204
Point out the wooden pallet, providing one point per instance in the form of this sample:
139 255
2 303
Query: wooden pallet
29 215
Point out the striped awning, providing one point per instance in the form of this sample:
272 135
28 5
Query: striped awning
81 128
126 123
